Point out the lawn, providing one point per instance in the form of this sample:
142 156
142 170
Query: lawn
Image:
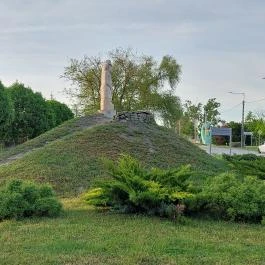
69 158
83 235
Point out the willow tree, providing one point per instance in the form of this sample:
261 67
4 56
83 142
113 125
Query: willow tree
139 82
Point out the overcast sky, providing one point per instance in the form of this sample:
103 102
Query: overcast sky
220 44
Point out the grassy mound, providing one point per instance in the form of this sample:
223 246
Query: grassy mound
71 159
67 128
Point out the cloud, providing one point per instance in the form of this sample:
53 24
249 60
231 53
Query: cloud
220 44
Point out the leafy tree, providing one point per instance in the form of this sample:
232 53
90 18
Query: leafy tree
192 111
58 112
30 113
170 109
250 117
211 110
255 123
192 115
6 112
236 130
85 77
138 82
186 126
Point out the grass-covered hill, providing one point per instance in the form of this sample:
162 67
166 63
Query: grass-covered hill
69 156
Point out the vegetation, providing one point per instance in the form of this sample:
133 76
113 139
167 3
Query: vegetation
236 131
64 130
211 112
133 189
25 199
196 114
248 164
138 83
6 112
70 163
256 123
59 113
69 157
229 197
167 193
85 236
30 111
26 114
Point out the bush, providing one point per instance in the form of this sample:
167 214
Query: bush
248 164
170 193
134 189
20 199
47 206
228 197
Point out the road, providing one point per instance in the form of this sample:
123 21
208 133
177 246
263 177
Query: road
226 150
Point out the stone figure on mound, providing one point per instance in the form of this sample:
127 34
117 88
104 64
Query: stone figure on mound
106 106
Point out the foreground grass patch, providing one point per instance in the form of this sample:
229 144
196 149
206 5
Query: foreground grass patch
85 236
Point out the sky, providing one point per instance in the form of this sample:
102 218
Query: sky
219 44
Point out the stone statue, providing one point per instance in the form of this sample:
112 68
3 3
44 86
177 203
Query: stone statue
106 106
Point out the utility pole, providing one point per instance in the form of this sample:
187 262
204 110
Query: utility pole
243 117
243 123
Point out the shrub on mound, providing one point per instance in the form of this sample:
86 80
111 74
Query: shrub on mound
20 199
133 189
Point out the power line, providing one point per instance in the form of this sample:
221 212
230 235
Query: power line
231 108
255 101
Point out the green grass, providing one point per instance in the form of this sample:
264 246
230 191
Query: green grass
85 236
69 158
67 128
71 163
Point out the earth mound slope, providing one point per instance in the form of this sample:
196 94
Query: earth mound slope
71 161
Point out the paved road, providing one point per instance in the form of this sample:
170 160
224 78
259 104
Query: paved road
225 150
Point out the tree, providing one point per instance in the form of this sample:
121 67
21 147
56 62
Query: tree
138 82
84 76
194 112
6 112
58 112
255 123
170 109
186 126
236 130
30 113
211 111
192 116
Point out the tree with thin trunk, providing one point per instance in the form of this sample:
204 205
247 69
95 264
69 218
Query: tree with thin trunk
139 83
